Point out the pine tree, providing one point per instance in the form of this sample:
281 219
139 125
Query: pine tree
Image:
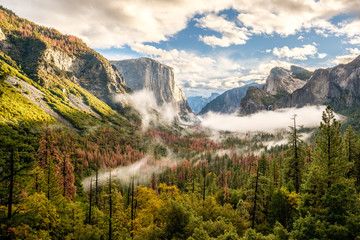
294 163
110 207
258 193
67 179
351 151
328 165
13 155
48 157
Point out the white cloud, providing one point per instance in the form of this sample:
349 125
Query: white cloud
351 54
231 34
322 55
300 38
298 53
355 40
106 23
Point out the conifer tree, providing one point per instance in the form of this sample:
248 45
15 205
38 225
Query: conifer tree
258 194
110 207
351 152
294 163
328 166
67 178
48 155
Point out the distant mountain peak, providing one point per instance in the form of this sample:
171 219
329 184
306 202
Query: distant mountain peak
229 101
281 80
198 102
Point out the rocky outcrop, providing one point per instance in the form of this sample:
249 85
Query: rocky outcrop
91 71
281 80
197 103
148 74
228 102
256 100
2 36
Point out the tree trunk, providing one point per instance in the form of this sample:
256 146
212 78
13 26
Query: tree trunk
204 184
90 201
11 185
96 186
132 206
255 199
110 205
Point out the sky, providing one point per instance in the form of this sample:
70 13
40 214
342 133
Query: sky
213 45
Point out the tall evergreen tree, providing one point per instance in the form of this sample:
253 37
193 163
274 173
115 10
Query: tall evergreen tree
294 163
48 157
328 166
14 160
258 193
67 178
351 152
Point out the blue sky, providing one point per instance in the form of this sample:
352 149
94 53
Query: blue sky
212 45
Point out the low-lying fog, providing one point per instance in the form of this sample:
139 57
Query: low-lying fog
266 121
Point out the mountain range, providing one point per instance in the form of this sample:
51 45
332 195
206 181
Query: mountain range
338 86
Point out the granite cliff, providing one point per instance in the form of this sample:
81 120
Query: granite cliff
281 80
148 74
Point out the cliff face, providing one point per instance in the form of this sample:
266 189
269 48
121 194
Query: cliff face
146 73
313 93
228 102
281 80
338 86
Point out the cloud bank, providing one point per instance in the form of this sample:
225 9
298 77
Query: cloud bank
113 23
266 121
